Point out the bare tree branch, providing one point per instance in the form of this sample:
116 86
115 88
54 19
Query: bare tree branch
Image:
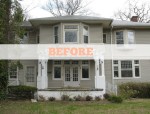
67 7
142 10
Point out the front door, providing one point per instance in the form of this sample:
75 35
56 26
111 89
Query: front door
71 76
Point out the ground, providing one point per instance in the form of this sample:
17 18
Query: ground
138 106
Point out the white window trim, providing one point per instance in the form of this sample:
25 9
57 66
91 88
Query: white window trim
88 34
26 73
54 34
123 37
106 38
16 75
89 70
53 78
119 70
72 30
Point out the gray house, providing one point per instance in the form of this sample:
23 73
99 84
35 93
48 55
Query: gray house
73 76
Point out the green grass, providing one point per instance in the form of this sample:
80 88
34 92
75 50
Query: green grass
138 106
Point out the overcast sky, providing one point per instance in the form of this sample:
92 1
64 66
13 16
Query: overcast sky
103 8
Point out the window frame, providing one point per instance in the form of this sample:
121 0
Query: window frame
16 74
106 38
87 65
64 30
127 39
54 34
86 35
57 65
123 37
34 78
119 70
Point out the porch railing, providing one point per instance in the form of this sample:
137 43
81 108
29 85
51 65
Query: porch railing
110 88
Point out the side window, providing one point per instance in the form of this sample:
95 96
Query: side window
85 69
13 73
56 34
131 37
104 38
57 70
85 34
30 74
119 37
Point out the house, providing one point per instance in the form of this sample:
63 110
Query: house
74 76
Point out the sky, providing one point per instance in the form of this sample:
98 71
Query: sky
102 8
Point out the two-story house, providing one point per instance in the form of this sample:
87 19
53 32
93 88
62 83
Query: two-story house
74 76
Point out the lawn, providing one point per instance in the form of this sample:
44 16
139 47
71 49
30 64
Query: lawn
138 106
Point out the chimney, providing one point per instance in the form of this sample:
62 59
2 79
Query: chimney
134 19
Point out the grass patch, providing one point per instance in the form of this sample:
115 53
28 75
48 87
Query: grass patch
137 106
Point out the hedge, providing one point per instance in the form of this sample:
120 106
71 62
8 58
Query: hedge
135 90
21 92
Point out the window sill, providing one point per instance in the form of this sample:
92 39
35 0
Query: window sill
57 79
85 79
127 78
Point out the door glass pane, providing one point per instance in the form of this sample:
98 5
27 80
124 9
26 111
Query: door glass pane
67 74
57 72
75 74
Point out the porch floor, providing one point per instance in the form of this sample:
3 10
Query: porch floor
70 89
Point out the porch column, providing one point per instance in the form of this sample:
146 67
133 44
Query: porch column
42 79
99 79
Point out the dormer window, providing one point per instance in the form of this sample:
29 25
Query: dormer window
70 33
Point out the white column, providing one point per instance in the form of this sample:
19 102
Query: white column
42 79
96 72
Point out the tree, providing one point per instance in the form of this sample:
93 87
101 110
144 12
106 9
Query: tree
10 19
134 8
68 7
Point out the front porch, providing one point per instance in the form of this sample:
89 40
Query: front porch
70 77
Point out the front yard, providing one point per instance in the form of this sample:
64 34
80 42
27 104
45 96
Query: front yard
138 106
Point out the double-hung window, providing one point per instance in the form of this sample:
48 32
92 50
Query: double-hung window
71 33
126 69
130 38
57 70
85 34
85 69
104 38
119 37
13 73
56 34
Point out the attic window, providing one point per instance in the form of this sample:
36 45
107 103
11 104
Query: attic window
70 33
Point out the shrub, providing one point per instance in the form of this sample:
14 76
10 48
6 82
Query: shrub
89 98
135 90
51 99
115 99
79 98
65 98
22 92
97 98
106 96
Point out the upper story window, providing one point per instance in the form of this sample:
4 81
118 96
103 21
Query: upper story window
85 34
130 37
56 34
70 33
125 37
119 37
104 38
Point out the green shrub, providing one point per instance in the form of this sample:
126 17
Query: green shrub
135 90
22 92
65 98
115 99
106 96
89 98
